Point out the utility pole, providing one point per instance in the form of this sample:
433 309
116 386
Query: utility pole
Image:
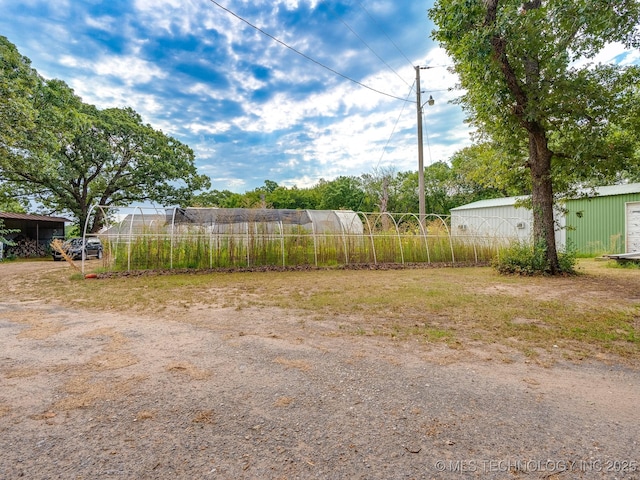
421 202
420 153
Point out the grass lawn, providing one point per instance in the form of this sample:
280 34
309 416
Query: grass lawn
594 315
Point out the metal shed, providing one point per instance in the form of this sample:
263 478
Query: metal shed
601 220
607 220
500 220
496 217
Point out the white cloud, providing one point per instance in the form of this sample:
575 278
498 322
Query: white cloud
230 183
69 61
104 94
303 181
131 70
609 53
104 23
632 58
207 128
164 14
201 89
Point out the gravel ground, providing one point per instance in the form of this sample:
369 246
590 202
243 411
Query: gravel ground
104 395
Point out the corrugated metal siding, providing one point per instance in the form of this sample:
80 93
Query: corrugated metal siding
597 225
499 222
506 222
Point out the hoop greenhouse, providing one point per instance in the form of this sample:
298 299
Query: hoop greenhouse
143 238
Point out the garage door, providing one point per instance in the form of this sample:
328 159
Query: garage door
633 227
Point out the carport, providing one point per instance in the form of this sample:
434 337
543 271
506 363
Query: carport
35 233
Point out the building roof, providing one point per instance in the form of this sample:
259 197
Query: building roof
614 190
490 202
30 217
609 190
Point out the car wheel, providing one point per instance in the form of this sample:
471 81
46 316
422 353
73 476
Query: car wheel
99 254
56 259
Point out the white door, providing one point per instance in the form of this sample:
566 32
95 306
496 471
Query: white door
633 227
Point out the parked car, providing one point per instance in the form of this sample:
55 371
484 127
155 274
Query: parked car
76 249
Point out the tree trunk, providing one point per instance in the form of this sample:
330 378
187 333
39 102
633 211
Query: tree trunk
98 221
542 197
539 153
384 202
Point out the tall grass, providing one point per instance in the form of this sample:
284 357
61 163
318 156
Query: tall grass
195 248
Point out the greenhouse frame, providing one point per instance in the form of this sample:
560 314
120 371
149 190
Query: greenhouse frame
156 238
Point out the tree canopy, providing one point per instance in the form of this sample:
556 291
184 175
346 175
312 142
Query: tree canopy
67 155
530 92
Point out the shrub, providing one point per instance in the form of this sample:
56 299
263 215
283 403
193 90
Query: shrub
5 241
523 258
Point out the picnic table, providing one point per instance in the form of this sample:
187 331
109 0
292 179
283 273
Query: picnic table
625 257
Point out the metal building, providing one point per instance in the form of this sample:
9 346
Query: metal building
605 221
600 220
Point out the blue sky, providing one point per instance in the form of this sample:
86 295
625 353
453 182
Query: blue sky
251 108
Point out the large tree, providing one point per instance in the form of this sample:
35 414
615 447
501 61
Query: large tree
68 156
19 84
344 192
380 189
481 171
9 202
528 90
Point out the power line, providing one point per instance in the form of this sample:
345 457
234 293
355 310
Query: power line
391 136
395 125
304 55
366 44
450 89
385 34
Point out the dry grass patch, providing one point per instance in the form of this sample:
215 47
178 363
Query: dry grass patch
116 339
113 356
205 417
38 328
111 361
297 364
283 402
83 393
48 415
186 368
144 415
41 330
24 372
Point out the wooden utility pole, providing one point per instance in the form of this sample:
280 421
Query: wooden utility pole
421 198
421 208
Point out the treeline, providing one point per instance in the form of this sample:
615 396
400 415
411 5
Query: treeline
384 190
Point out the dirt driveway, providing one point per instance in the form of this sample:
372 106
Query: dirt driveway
87 394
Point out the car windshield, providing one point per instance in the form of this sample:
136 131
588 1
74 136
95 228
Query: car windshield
74 242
